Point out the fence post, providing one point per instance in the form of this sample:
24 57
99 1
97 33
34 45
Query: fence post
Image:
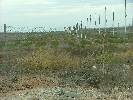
113 22
118 27
4 28
132 22
105 18
125 17
99 24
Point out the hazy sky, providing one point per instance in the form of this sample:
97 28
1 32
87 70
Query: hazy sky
60 13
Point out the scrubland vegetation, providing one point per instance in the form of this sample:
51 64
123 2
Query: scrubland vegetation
100 62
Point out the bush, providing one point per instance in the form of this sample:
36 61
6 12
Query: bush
48 59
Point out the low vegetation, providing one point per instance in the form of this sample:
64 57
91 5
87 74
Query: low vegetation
100 62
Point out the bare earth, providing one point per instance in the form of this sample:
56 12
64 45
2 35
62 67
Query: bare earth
35 87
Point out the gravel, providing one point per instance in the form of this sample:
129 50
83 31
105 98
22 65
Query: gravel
67 93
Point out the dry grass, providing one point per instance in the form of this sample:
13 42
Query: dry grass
49 59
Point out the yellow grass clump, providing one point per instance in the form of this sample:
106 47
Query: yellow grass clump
49 59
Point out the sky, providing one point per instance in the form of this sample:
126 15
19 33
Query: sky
61 13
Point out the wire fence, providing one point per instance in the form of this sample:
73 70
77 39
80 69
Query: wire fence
11 29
